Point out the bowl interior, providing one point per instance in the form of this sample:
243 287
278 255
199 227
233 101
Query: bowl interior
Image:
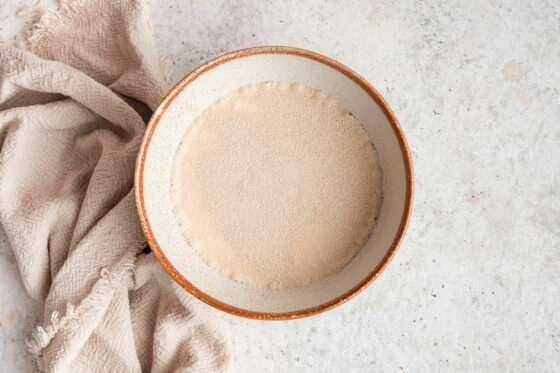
198 91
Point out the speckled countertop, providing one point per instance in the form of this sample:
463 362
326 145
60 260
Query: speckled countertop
475 285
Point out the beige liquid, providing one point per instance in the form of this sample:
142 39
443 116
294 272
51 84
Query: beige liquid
276 185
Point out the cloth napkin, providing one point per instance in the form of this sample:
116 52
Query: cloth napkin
73 108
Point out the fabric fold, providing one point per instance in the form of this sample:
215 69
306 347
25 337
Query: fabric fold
73 108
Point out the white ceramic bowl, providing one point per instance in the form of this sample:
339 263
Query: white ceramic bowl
216 79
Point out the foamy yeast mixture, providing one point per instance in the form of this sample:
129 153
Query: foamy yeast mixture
276 185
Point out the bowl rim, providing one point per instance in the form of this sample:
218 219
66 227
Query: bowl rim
178 277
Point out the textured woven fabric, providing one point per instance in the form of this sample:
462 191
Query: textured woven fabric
73 108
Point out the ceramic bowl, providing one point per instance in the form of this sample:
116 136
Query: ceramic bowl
216 79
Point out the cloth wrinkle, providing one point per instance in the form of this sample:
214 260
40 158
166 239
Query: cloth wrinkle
74 102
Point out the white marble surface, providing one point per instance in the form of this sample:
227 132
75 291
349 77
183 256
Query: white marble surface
475 285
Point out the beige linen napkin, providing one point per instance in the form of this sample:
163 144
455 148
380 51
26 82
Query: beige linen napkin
73 108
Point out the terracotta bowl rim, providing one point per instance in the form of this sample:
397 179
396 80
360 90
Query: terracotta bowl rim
152 125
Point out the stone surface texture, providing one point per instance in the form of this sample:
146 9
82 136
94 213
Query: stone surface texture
475 285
